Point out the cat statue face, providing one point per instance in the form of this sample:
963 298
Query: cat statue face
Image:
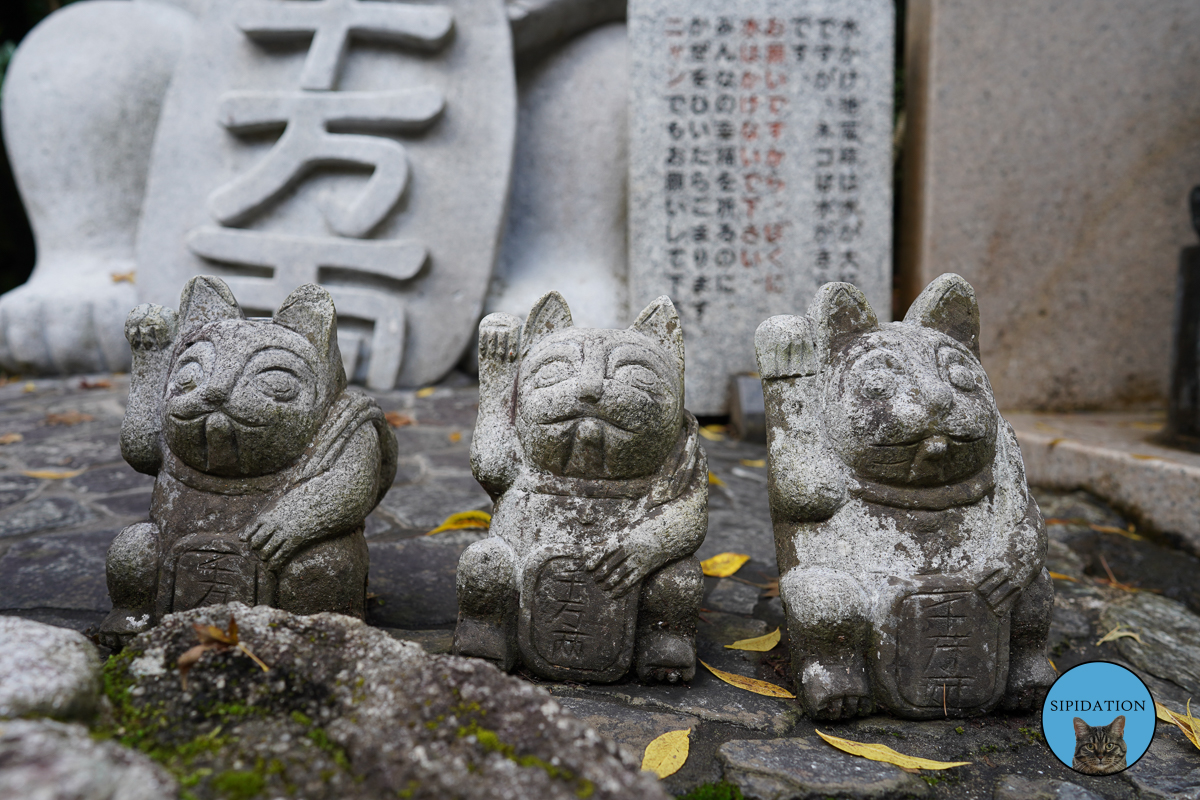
597 403
244 398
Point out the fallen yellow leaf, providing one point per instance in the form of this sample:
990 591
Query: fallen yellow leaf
1053 667
751 684
68 418
1127 533
398 420
1146 457
123 277
1117 633
713 480
52 474
456 436
759 644
11 438
1057 440
757 463
1189 725
426 392
714 433
666 754
29 387
722 565
1153 427
881 752
464 520
1058 576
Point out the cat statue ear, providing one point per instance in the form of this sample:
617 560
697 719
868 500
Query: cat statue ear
839 311
660 322
948 305
309 312
206 299
550 313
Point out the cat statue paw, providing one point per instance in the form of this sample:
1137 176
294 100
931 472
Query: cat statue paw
601 500
266 464
911 553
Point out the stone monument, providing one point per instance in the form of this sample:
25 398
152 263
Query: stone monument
601 499
910 549
267 465
760 165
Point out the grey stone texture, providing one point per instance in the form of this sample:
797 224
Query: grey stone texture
81 103
46 760
1049 151
760 165
266 464
47 671
567 212
781 769
601 493
901 512
349 712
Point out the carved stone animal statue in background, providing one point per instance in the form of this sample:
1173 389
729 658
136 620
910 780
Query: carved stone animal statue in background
910 550
266 463
601 493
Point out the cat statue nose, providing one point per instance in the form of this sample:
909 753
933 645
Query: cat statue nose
215 395
587 452
591 389
220 442
932 448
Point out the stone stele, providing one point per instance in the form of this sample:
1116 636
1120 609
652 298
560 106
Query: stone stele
266 463
760 165
601 500
910 550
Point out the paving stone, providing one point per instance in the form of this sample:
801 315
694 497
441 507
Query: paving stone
15 488
1170 637
1169 769
107 480
733 597
42 514
133 504
432 641
633 727
56 572
425 505
782 769
411 582
1015 787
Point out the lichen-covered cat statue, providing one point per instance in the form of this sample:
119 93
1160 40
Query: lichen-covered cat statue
910 550
601 493
266 463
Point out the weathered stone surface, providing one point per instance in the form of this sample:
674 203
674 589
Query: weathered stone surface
760 165
782 769
732 597
45 760
412 582
46 672
1023 173
43 514
64 572
537 23
633 727
1168 769
266 465
567 212
910 550
1169 633
426 504
1016 787
349 712
601 494
105 67
423 95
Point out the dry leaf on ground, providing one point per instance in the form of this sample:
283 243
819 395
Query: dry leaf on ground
52 474
68 418
759 644
1128 533
398 420
771 589
213 638
1117 633
11 438
723 565
456 436
1058 576
426 392
463 520
100 384
713 480
714 433
751 684
123 277
1189 725
881 752
666 754
29 387
757 463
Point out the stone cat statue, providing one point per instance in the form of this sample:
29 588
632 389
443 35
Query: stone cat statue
266 463
910 550
601 499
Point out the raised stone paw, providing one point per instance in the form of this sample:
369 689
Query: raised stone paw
784 345
834 690
499 337
150 327
65 326
664 657
1029 678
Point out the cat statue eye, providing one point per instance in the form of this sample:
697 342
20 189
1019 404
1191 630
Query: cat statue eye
911 553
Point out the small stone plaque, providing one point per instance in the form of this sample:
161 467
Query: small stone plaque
209 577
760 166
948 646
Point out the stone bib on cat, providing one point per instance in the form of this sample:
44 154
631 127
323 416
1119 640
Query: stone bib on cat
601 499
910 550
266 464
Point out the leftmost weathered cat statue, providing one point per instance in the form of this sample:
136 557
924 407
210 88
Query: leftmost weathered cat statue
267 465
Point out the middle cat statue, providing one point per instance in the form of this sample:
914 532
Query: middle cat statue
601 499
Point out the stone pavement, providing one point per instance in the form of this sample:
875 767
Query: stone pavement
55 526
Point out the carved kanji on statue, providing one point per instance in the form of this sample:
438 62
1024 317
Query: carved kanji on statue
289 154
